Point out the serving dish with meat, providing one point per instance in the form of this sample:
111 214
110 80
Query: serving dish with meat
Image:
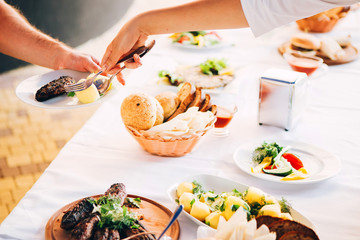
112 215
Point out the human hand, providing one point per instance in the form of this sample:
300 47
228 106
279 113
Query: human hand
119 76
71 59
129 38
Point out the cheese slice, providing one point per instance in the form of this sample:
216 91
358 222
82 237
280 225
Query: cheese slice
296 175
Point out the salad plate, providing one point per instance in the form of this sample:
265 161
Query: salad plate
218 185
26 90
319 163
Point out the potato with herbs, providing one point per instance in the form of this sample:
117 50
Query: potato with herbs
255 195
200 210
184 187
185 199
213 219
232 204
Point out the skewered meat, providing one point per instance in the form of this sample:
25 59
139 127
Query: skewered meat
85 229
117 189
114 234
53 88
76 214
101 234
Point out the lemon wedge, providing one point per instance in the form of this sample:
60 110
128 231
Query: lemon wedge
227 71
266 162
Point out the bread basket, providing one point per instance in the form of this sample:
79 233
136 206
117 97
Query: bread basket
323 22
169 145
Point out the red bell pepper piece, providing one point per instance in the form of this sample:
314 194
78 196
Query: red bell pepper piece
293 160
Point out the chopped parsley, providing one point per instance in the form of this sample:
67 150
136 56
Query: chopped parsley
235 207
192 202
71 94
197 190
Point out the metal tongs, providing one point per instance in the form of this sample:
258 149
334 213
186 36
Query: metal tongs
141 51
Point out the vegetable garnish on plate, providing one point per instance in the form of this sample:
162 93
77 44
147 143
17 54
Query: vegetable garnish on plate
196 38
210 74
271 158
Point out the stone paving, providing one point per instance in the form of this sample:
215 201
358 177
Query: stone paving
30 138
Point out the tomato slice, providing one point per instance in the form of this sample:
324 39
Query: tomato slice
270 167
293 160
183 38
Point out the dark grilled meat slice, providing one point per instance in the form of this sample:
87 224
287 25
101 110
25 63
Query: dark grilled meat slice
117 189
101 234
53 88
84 230
76 214
114 234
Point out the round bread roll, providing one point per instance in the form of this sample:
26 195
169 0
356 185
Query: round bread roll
305 40
169 102
139 111
159 113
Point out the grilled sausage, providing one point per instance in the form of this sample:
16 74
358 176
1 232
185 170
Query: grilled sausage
76 214
53 88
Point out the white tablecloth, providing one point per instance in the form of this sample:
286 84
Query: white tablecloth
103 152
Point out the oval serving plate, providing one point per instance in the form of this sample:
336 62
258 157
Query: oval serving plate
218 185
156 217
26 90
319 163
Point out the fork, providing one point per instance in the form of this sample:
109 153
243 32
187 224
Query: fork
141 51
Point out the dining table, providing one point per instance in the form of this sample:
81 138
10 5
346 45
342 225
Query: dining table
103 152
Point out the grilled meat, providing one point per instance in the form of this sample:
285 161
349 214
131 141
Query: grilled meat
114 234
101 234
84 230
117 189
53 88
76 214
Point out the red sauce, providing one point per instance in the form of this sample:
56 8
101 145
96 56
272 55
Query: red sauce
223 116
305 65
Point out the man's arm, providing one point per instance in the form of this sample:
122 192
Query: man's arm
19 39
196 15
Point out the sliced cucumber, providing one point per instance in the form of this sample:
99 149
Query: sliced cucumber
284 168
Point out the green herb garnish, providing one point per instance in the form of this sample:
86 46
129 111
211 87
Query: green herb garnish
197 190
212 66
284 205
71 94
266 150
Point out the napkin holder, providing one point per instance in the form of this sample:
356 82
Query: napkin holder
282 97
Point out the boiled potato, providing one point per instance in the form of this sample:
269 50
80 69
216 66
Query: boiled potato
185 199
270 210
255 195
184 187
200 211
230 202
89 95
286 216
213 219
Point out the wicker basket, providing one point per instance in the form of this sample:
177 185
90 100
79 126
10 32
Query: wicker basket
323 22
168 145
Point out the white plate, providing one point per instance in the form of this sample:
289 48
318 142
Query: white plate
218 185
217 46
26 90
319 163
